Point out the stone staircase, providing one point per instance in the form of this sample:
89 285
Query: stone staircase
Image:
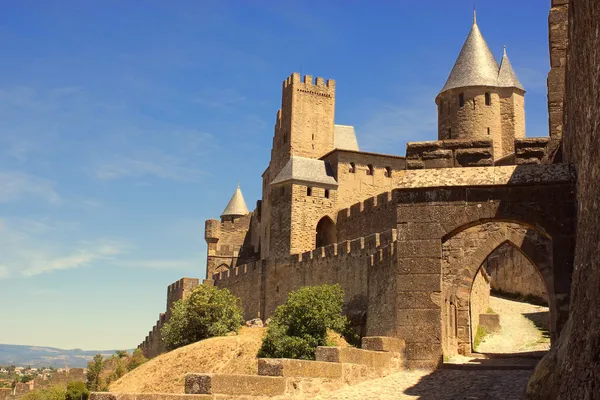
333 368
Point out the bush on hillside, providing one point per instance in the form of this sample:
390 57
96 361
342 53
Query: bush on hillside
76 390
300 325
207 312
56 392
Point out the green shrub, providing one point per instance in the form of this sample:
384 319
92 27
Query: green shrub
300 325
77 390
207 312
479 336
56 392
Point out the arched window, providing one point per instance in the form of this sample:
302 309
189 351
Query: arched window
461 100
326 193
309 191
370 169
488 99
352 168
326 232
388 172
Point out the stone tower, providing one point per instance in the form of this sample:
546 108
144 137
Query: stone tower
304 125
481 99
304 131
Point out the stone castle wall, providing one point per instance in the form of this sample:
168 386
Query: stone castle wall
480 300
570 370
511 272
180 290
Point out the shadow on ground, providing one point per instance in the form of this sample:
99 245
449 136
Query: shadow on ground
447 384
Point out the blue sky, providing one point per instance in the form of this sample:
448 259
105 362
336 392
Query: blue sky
124 127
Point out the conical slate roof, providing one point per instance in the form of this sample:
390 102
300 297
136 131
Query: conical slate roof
507 76
475 65
236 206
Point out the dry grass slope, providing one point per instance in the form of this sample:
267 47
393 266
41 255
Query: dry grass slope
235 354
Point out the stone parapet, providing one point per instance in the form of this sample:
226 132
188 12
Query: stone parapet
531 150
299 368
449 153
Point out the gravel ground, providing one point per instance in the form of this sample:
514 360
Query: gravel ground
518 331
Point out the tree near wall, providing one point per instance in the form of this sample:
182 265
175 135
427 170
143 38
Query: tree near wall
207 312
300 325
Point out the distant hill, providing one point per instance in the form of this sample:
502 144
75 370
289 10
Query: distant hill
37 356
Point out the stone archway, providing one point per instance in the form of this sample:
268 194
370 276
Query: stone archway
325 232
463 253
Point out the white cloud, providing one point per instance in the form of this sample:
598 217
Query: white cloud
33 247
4 272
16 185
79 258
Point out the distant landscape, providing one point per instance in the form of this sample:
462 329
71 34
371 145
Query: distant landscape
37 356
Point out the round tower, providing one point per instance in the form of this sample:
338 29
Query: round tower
480 99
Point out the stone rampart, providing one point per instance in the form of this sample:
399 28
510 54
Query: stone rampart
372 215
263 287
449 153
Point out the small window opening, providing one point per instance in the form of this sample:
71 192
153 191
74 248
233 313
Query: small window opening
370 169
326 193
449 133
313 136
309 191
488 99
282 191
388 172
461 100
285 138
489 131
352 168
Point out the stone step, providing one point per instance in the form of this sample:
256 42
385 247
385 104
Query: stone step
148 396
351 355
287 367
234 385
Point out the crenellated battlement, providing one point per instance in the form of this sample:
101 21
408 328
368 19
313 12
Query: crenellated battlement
245 269
307 84
368 245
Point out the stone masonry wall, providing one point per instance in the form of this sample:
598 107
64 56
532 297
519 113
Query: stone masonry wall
571 370
229 243
359 185
480 300
511 272
557 41
306 213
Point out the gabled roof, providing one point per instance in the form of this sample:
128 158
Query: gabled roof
475 65
307 171
507 76
236 206
344 137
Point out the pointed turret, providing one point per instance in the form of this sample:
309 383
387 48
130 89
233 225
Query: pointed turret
506 75
475 65
236 206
